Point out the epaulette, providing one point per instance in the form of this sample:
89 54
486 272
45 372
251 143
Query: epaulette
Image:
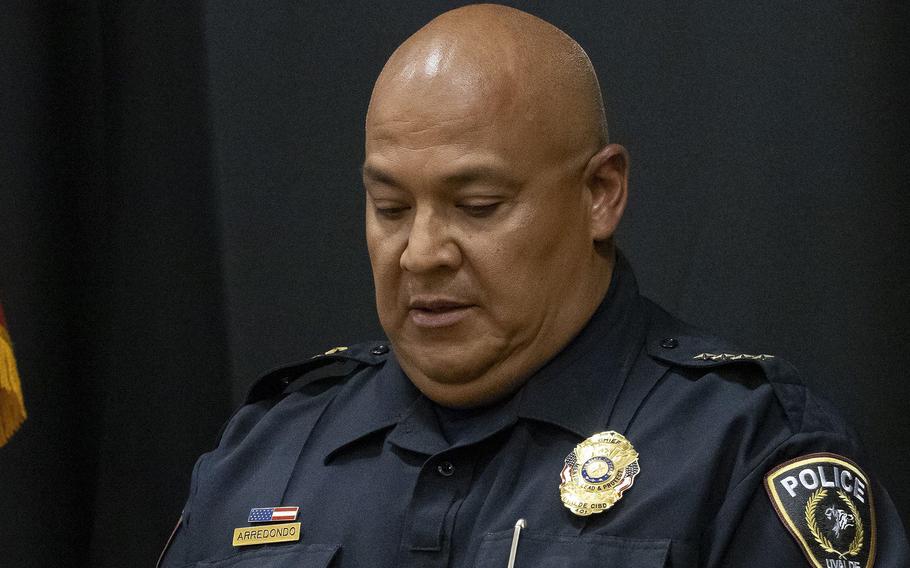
678 344
296 374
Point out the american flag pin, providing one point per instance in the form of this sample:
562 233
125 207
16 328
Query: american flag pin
272 514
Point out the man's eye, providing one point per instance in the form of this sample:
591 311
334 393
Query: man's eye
391 212
484 210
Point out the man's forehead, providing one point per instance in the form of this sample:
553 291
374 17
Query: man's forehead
456 173
413 113
449 121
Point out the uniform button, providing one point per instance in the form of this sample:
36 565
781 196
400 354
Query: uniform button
445 469
669 343
380 350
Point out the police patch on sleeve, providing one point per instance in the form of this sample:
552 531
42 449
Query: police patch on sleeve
825 502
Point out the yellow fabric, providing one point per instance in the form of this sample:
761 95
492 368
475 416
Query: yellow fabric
12 405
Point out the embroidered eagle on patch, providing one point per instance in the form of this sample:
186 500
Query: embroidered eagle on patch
825 502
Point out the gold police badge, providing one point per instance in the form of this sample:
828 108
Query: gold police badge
825 502
597 473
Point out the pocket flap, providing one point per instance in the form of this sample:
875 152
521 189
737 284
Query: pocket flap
296 556
555 551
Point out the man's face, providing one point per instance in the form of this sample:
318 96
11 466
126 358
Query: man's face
479 236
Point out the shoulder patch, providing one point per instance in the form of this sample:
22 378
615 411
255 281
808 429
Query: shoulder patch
825 501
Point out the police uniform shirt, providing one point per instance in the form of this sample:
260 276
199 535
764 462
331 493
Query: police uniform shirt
383 477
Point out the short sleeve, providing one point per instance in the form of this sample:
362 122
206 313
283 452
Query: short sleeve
808 506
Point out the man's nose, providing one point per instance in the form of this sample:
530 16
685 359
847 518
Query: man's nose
430 244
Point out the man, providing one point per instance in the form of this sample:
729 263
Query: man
530 408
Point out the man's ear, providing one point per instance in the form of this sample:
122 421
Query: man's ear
606 177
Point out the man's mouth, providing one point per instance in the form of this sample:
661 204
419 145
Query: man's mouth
436 312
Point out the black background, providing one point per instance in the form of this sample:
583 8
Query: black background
180 208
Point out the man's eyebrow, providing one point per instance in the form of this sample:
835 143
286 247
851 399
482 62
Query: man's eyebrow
470 174
375 174
458 178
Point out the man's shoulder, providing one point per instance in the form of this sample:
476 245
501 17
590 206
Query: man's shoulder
318 378
327 367
696 352
744 377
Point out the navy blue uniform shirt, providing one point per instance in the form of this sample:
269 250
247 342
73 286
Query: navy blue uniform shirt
383 477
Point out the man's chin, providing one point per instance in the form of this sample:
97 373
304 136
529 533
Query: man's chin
481 390
452 375
462 350
442 370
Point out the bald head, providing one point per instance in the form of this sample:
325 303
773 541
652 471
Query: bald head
492 199
489 58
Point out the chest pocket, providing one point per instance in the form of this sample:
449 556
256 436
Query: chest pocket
297 556
553 551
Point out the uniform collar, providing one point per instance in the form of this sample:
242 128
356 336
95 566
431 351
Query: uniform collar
365 407
575 390
420 430
389 400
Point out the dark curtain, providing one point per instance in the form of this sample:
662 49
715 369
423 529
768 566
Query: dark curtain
111 277
180 209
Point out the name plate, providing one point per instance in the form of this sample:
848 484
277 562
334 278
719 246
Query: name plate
285 532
